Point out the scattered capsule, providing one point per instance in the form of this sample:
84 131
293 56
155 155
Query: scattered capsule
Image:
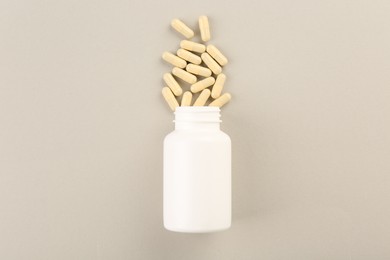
189 56
217 55
182 28
204 28
201 100
222 100
169 98
174 60
172 84
198 70
184 75
189 50
211 63
187 98
193 46
218 86
202 84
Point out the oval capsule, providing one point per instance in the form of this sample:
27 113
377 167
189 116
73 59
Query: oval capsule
182 28
222 100
184 75
202 84
172 84
193 46
217 55
211 63
187 98
204 28
189 56
169 98
202 99
174 60
218 86
198 70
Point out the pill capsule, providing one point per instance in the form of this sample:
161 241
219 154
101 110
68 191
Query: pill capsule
174 60
218 86
211 63
184 75
204 28
189 56
169 98
201 100
193 46
198 70
172 84
202 84
217 55
222 100
187 98
182 28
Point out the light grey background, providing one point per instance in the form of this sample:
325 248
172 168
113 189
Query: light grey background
82 124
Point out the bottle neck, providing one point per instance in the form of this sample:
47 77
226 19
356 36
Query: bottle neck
197 118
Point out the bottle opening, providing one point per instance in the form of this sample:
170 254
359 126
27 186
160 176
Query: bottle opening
197 114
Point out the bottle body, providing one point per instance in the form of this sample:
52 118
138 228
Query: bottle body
197 173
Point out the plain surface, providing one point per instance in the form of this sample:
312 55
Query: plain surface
82 123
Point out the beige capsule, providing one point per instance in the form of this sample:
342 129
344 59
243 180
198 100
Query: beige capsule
169 98
184 75
222 100
211 63
202 99
202 84
198 70
193 46
189 56
204 28
218 86
217 55
172 84
182 28
187 98
174 60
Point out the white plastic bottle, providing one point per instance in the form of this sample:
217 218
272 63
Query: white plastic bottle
197 172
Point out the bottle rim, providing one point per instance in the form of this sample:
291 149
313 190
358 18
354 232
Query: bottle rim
197 114
197 109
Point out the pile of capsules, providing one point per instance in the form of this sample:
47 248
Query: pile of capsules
194 60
